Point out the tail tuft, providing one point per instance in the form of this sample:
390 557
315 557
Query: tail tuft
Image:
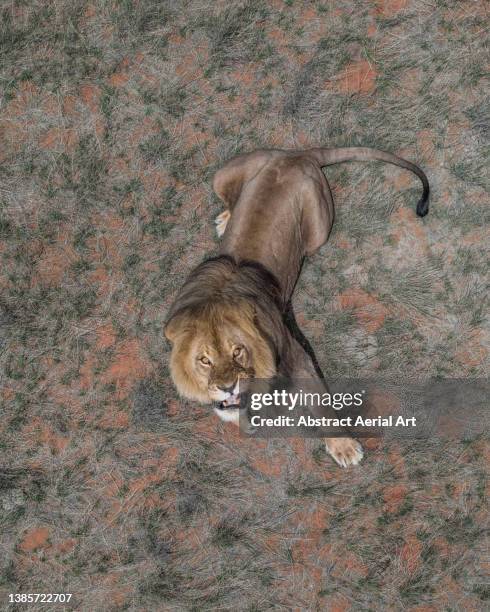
326 157
423 205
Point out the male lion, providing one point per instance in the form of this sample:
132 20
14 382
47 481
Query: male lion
228 321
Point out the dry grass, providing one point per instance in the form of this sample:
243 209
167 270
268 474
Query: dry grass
113 118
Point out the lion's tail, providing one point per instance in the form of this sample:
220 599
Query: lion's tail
327 157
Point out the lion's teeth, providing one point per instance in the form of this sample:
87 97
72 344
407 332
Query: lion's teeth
233 400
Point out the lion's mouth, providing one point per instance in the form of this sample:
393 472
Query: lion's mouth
231 403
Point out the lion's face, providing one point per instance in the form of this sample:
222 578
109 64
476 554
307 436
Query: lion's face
214 350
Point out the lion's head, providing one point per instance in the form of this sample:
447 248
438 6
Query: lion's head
225 326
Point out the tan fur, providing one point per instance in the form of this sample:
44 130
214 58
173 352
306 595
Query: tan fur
279 209
214 334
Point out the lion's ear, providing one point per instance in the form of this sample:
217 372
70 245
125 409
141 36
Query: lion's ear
177 324
172 328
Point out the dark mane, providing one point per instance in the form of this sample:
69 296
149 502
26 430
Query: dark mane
222 279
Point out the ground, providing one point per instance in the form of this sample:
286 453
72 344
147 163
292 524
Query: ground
113 118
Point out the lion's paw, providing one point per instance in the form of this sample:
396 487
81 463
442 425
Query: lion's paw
345 451
221 222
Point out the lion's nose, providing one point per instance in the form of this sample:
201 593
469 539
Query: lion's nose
227 389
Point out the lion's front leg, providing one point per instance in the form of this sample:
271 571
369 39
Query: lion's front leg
345 451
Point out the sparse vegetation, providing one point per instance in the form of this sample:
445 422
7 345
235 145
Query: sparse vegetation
113 118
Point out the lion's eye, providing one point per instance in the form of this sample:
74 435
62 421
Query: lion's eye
205 361
237 351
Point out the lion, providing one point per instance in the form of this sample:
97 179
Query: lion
228 324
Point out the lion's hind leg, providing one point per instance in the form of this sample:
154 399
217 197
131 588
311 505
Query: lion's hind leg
221 222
